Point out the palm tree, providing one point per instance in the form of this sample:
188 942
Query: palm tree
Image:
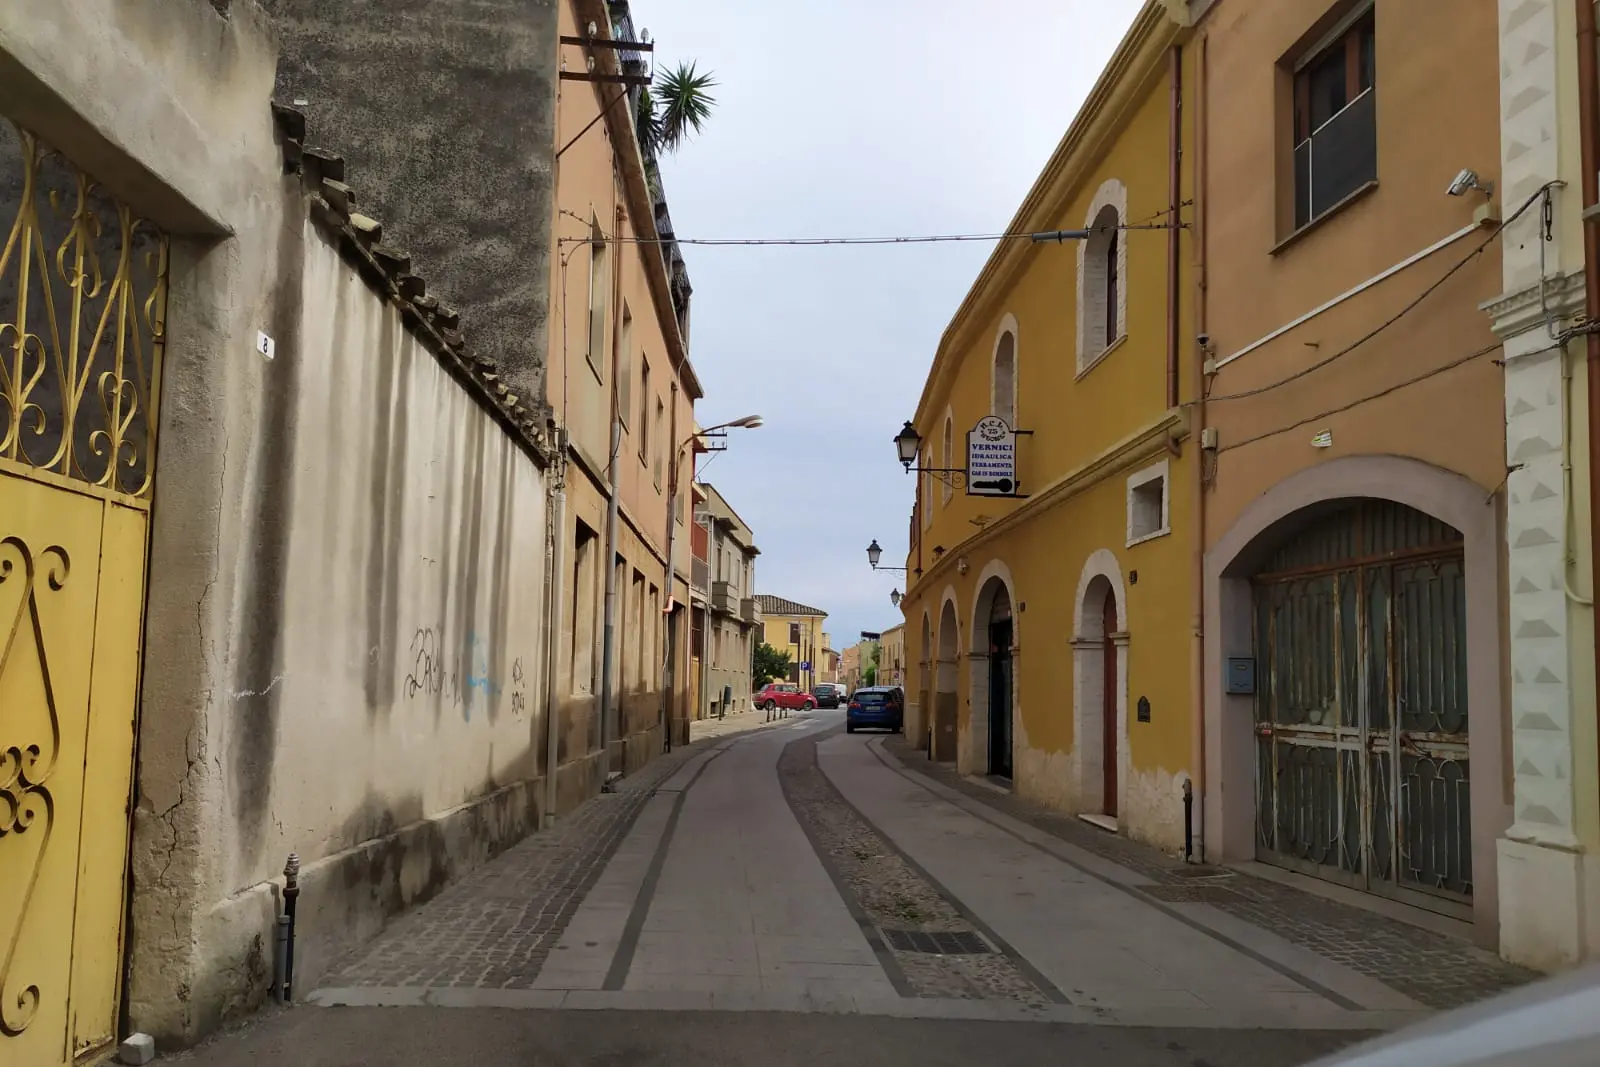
675 110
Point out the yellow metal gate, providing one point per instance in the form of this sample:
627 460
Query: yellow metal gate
82 309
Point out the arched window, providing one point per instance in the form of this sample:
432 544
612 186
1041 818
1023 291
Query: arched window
947 459
1103 276
1003 382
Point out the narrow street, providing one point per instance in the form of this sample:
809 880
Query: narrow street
792 891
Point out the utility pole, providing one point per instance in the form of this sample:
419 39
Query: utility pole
609 638
671 582
608 641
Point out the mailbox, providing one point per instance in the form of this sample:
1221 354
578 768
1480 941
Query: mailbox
1240 679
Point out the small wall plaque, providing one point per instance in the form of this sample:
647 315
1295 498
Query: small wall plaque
1144 709
1240 679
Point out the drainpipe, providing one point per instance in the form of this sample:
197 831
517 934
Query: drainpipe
1588 115
555 542
670 584
1174 198
1196 790
608 642
706 658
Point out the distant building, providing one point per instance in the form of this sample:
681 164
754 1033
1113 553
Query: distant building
728 618
892 656
850 667
796 629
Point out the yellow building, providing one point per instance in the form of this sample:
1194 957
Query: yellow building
1082 344
795 629
850 667
892 656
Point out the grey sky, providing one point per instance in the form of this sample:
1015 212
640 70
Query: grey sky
844 118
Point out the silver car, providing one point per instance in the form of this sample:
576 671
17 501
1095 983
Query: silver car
1553 1023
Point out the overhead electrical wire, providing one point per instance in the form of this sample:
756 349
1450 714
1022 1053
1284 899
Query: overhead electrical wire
892 240
1460 264
1396 387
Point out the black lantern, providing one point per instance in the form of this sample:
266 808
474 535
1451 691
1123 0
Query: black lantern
874 553
907 443
894 597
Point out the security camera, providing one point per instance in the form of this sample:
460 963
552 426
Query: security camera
1468 180
1204 341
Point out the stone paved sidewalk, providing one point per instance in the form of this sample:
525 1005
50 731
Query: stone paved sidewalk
1432 968
495 927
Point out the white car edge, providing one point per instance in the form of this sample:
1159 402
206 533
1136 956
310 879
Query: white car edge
1550 1023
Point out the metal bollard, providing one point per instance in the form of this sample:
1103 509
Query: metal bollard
291 894
1188 821
280 959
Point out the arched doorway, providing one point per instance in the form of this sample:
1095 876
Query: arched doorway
1100 689
1000 674
944 683
992 689
923 727
1361 724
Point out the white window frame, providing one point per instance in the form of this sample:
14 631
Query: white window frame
1160 471
948 443
1112 193
1007 325
927 485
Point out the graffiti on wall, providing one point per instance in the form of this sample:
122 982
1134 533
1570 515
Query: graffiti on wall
519 689
456 674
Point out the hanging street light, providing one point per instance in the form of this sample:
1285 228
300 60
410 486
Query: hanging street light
907 442
894 597
875 553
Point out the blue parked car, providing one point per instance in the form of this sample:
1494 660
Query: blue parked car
880 707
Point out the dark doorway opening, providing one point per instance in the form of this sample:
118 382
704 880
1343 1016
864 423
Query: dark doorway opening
1000 686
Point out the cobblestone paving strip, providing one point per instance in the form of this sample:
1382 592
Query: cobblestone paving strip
891 892
1432 968
495 927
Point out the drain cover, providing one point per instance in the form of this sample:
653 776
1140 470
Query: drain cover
961 943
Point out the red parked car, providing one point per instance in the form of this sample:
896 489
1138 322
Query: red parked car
784 695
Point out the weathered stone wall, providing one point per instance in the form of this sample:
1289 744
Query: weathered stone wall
345 594
447 111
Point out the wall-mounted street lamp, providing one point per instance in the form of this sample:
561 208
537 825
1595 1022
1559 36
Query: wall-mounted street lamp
908 443
875 553
894 597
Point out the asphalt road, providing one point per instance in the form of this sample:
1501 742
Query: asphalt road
358 1037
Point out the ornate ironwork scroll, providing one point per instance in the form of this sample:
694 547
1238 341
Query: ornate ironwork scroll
82 324
25 802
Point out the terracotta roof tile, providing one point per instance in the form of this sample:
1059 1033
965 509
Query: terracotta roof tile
777 605
390 272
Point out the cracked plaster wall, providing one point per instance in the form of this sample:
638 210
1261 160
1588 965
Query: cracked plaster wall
447 111
346 560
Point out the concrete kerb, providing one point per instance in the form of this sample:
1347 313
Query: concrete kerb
1318 1018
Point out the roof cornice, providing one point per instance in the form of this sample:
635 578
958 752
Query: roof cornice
641 207
1121 87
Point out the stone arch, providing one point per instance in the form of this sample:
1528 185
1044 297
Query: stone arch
1272 517
1003 371
945 678
918 717
1099 658
985 585
996 590
1103 274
